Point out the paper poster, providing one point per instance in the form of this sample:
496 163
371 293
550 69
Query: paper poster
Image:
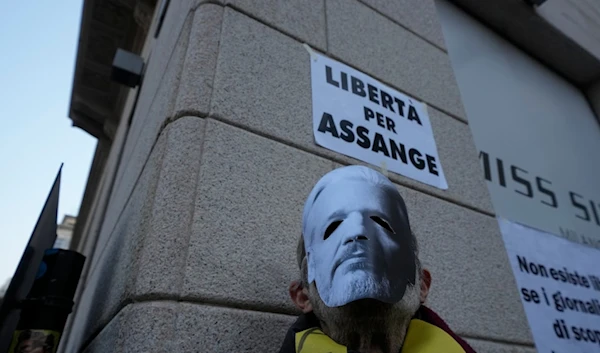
358 116
559 286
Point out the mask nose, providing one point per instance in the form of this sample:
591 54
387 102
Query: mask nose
355 238
359 230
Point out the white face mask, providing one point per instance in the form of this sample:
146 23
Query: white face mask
357 238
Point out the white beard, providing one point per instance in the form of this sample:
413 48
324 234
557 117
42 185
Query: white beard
368 325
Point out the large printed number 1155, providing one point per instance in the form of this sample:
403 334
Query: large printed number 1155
504 176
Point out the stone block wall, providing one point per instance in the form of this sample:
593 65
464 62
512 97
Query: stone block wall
197 246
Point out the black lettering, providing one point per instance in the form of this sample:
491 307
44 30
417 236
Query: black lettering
558 303
525 295
535 297
379 145
522 264
595 212
344 81
387 100
329 77
487 171
328 125
543 271
373 96
400 106
572 279
412 115
576 333
545 296
363 138
530 295
379 119
584 280
570 303
398 150
562 276
431 164
501 179
579 206
534 269
564 326
521 181
416 161
558 330
545 191
358 87
391 125
554 274
369 114
580 306
347 134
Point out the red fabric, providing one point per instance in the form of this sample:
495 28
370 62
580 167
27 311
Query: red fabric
431 317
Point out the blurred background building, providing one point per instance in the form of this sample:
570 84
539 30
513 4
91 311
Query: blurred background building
205 155
64 232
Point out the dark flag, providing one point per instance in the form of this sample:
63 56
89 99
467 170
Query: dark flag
42 238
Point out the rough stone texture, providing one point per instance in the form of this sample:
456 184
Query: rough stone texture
144 130
263 84
216 329
473 287
304 19
162 260
113 266
481 346
262 80
200 61
167 45
127 221
142 327
145 254
248 219
365 39
167 326
419 16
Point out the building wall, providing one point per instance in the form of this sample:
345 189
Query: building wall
197 245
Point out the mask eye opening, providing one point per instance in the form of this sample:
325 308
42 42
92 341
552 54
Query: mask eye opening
331 228
383 224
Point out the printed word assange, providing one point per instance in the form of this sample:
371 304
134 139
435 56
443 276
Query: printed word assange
389 148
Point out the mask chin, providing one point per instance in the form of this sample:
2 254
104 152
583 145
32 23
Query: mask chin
362 311
355 286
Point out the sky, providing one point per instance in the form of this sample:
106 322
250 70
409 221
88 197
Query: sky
38 43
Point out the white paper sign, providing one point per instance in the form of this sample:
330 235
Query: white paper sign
358 116
559 286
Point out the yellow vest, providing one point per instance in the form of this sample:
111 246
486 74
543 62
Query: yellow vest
421 337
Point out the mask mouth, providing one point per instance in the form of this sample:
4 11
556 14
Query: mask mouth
357 258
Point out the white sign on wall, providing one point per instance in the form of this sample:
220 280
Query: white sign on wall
537 137
358 116
559 285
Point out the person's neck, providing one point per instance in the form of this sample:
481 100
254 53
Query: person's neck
370 340
373 331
